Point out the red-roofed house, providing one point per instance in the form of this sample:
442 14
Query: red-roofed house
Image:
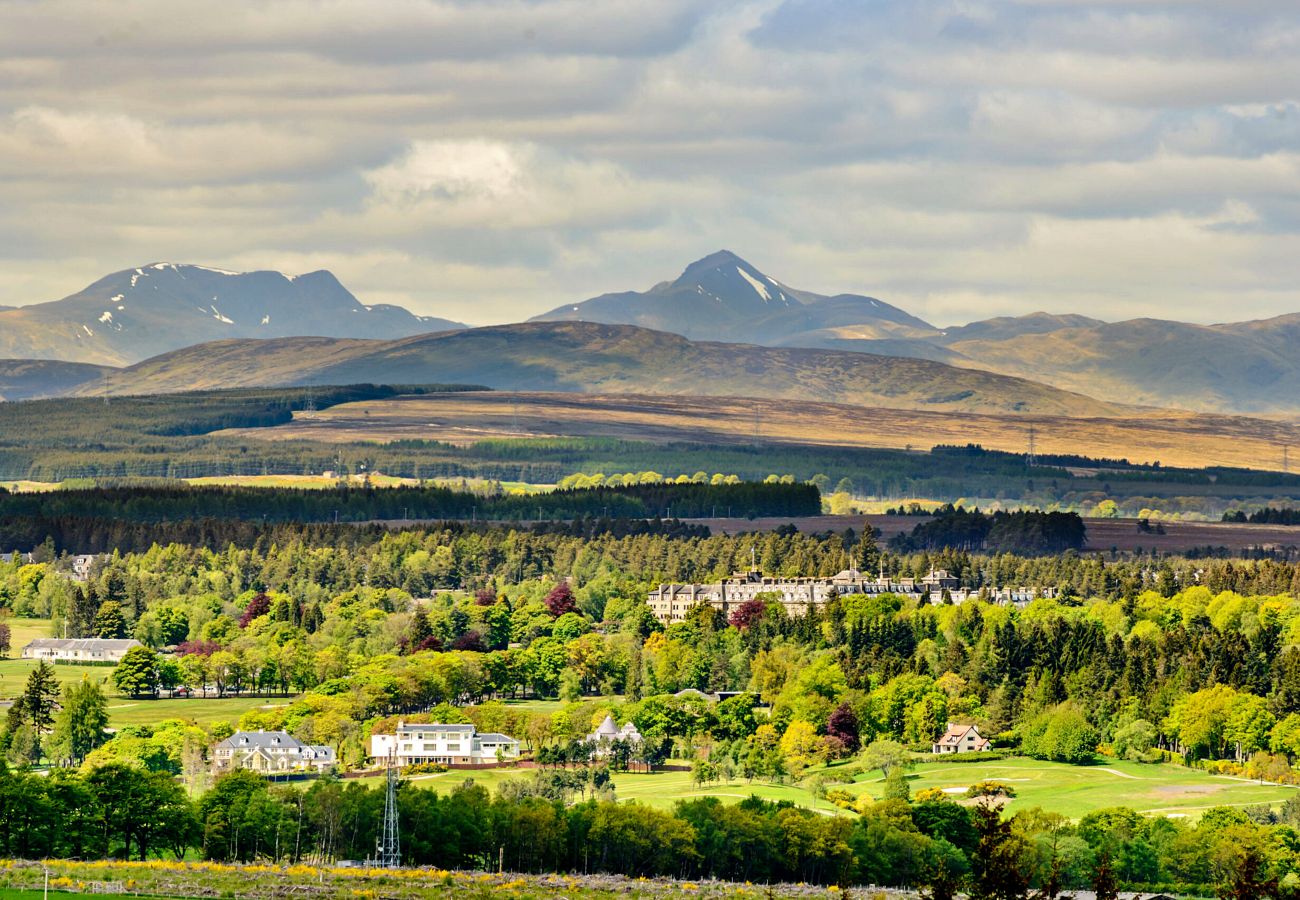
961 739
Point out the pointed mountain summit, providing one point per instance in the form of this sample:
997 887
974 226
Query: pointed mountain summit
724 297
137 313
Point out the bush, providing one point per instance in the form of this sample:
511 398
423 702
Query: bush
1062 734
991 789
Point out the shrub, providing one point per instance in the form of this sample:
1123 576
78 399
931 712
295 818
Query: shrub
991 788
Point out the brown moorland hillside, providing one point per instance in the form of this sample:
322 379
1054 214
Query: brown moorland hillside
590 357
1172 438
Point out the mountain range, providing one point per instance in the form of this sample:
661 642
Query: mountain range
1246 367
147 314
137 313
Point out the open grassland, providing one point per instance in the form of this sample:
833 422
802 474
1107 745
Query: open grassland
127 711
17 486
14 672
24 631
1072 791
1170 437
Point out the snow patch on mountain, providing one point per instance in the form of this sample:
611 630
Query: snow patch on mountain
758 286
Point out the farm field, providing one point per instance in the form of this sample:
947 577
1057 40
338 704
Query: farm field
1170 437
1072 791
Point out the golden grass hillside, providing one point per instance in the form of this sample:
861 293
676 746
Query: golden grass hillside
1181 439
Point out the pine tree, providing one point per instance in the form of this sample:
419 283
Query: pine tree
40 697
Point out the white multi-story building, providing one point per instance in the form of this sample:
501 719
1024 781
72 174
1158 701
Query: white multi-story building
448 745
270 753
81 650
671 602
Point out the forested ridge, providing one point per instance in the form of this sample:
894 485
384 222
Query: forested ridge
156 503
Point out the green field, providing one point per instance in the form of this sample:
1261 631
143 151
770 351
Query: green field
1071 790
204 711
23 631
1167 790
13 674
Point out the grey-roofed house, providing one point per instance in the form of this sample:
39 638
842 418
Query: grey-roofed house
82 650
270 753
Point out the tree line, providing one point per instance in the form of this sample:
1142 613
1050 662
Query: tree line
1024 531
155 503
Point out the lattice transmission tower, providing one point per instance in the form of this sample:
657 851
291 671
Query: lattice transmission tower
388 846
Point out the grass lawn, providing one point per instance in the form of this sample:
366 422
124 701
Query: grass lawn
24 631
204 711
660 789
1070 790
13 675
553 706
1076 790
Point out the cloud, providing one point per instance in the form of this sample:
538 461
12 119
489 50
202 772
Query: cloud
488 160
87 144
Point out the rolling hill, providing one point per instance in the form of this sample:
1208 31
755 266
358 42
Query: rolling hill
1246 368
138 313
31 379
589 357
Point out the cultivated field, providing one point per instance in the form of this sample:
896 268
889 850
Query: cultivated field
1170 437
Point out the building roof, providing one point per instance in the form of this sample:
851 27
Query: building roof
607 728
432 726
496 736
955 733
83 644
255 740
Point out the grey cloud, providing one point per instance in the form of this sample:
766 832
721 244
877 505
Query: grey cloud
487 160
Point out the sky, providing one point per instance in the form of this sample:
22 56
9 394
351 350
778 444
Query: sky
486 161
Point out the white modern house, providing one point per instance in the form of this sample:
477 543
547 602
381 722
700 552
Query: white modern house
447 745
81 650
270 753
